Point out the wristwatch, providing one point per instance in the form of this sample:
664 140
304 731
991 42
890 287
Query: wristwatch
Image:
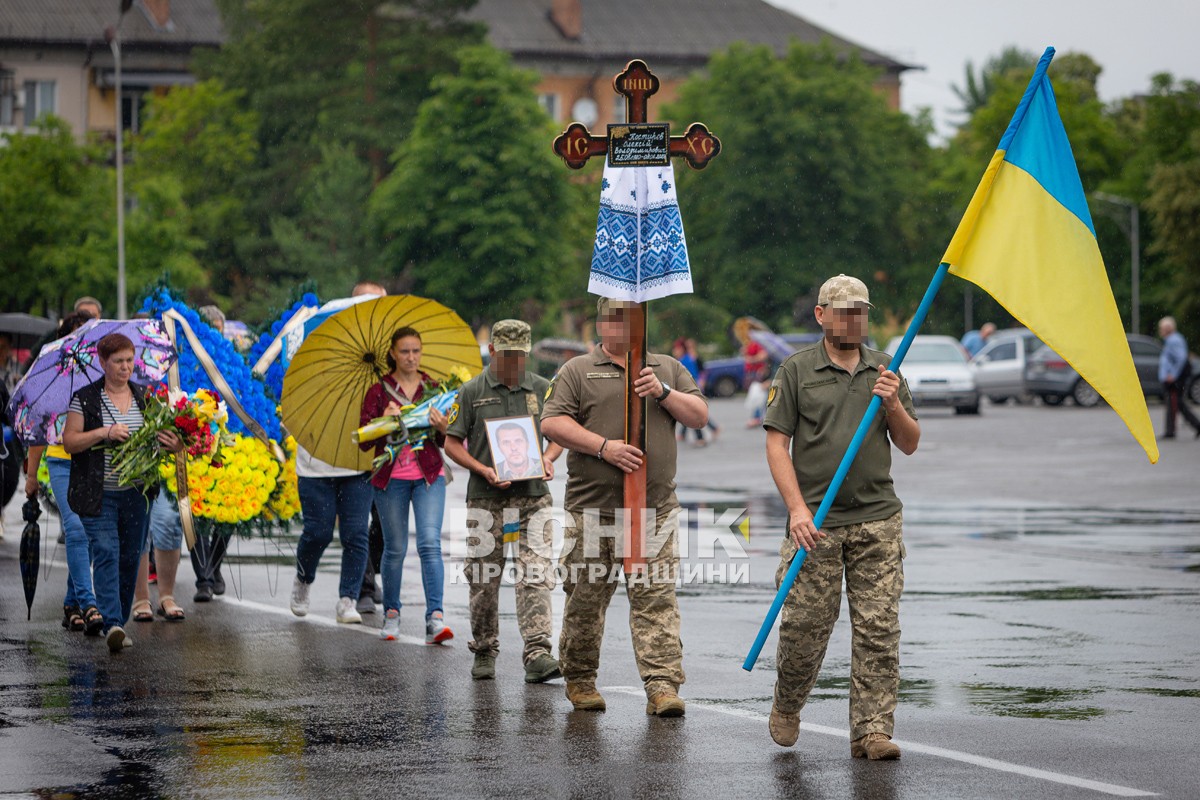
666 391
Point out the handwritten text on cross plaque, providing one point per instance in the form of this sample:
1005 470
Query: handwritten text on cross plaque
646 144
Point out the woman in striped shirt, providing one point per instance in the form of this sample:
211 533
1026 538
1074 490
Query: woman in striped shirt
102 415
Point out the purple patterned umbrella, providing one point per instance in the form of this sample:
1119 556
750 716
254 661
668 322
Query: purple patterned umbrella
64 366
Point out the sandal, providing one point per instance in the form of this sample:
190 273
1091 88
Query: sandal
142 612
72 618
93 621
174 613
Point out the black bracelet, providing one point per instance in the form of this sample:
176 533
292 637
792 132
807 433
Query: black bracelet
600 452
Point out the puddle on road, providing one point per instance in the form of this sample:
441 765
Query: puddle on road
1167 692
1031 702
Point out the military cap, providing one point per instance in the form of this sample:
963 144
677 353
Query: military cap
843 291
511 334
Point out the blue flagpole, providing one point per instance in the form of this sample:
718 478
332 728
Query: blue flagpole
847 460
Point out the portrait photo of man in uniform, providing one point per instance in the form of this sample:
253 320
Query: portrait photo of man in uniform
515 450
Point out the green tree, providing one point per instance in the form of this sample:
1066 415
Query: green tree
315 73
1165 175
58 240
816 176
478 212
47 184
202 138
329 240
976 91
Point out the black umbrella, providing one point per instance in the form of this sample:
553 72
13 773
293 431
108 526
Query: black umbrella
26 329
31 539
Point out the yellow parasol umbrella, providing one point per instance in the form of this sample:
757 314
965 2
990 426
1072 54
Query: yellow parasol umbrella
346 355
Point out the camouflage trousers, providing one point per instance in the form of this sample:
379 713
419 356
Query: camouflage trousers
534 565
590 566
870 555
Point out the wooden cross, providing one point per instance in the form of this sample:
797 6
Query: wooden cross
576 144
697 146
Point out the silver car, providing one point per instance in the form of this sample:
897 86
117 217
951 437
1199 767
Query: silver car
1000 365
939 373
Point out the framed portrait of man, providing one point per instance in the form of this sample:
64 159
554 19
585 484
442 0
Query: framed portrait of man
516 448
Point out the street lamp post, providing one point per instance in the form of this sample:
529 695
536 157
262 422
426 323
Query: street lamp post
1135 258
114 42
112 35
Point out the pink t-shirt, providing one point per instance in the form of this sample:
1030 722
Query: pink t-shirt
406 468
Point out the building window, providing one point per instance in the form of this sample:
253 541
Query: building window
39 100
132 106
8 98
549 102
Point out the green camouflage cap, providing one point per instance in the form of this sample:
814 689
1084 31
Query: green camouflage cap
511 334
843 291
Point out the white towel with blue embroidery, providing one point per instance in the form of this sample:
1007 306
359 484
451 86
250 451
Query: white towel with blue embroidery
640 251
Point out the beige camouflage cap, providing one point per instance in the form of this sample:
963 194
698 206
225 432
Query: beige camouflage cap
842 291
511 334
605 303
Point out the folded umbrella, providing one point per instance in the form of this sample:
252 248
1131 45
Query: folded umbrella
31 539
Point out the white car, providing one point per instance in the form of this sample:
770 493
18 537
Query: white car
939 373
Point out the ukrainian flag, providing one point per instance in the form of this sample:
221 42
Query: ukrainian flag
1027 239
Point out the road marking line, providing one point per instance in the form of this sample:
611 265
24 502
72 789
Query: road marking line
940 752
328 622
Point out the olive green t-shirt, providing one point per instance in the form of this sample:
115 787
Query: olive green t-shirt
486 397
591 390
820 405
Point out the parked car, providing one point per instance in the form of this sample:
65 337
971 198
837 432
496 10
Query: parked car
1000 365
724 377
1051 378
939 373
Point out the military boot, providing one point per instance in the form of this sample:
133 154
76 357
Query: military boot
585 697
541 669
665 704
875 746
785 728
484 668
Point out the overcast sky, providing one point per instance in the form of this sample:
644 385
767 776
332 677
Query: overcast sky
1131 41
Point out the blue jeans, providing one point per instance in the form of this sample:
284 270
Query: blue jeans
428 502
79 551
348 501
117 536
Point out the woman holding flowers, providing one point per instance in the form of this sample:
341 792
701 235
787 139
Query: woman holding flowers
407 476
104 414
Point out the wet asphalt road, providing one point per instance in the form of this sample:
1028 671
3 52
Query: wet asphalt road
1050 650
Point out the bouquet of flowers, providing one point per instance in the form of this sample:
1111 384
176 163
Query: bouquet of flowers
412 426
196 420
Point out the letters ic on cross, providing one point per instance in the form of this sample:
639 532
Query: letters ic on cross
636 83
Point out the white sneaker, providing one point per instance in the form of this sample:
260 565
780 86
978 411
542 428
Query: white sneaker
346 613
436 631
115 639
391 626
300 597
